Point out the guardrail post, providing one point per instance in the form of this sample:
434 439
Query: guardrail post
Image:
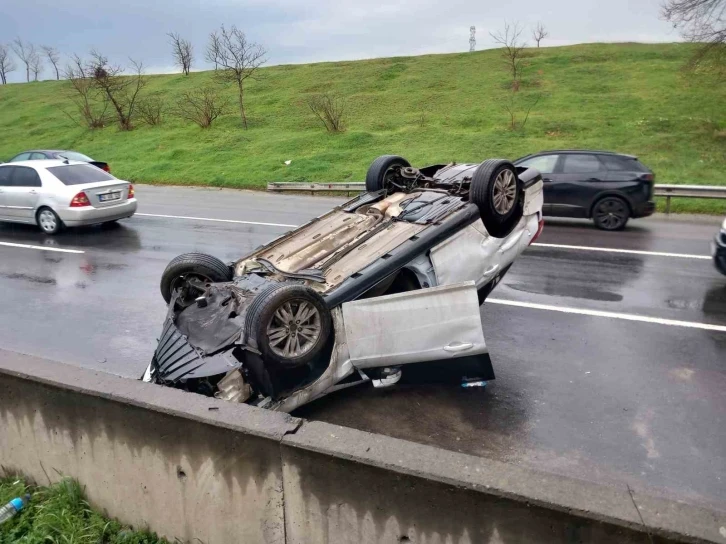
668 204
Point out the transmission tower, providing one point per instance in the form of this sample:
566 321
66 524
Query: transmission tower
472 38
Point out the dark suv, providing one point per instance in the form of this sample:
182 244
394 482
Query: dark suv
608 187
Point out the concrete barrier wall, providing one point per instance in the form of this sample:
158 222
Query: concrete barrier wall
191 468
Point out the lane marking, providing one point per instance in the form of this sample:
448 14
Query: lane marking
612 315
217 220
42 248
627 251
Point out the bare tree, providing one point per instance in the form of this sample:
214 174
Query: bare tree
92 105
238 59
36 65
182 50
25 52
201 106
151 109
513 49
6 63
703 22
539 33
212 49
121 91
53 57
329 108
514 108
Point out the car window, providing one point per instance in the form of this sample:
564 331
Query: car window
544 163
5 172
622 164
21 157
24 176
78 174
37 157
579 164
74 156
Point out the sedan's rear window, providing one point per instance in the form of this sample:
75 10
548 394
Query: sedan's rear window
78 174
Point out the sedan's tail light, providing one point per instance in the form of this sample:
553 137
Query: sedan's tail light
80 200
131 191
106 168
539 231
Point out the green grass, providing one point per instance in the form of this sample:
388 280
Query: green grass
60 514
632 98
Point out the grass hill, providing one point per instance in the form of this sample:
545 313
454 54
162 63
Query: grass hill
632 98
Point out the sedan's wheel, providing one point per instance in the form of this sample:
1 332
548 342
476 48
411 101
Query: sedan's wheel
187 272
289 323
611 213
48 221
382 172
497 191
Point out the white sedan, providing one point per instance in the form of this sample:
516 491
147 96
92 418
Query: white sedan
54 193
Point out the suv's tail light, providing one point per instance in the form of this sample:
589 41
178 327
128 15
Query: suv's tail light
647 177
539 231
131 191
80 200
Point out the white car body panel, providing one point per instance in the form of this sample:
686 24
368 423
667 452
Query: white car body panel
431 324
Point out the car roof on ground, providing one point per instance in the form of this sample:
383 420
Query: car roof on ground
43 164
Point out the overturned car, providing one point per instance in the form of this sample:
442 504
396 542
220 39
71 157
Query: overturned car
385 286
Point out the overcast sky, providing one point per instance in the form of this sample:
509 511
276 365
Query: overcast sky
299 31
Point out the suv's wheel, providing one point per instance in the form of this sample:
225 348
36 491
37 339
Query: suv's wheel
381 170
610 213
188 270
290 324
48 221
497 191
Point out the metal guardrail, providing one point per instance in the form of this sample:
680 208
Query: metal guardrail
688 191
664 191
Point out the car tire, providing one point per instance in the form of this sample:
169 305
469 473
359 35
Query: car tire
376 178
48 221
611 213
498 193
272 322
192 265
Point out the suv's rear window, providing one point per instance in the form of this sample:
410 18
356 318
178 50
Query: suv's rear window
78 174
622 164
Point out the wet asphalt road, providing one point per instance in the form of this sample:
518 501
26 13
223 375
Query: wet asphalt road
599 398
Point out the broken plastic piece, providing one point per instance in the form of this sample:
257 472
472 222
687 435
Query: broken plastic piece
233 387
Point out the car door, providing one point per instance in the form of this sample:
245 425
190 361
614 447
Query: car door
576 181
21 197
546 164
435 324
5 172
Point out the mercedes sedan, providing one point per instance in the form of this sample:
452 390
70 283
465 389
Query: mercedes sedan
53 194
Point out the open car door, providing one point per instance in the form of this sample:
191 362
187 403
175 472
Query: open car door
440 326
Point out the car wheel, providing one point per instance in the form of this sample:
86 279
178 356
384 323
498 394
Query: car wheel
48 221
497 191
181 272
381 170
611 213
290 324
